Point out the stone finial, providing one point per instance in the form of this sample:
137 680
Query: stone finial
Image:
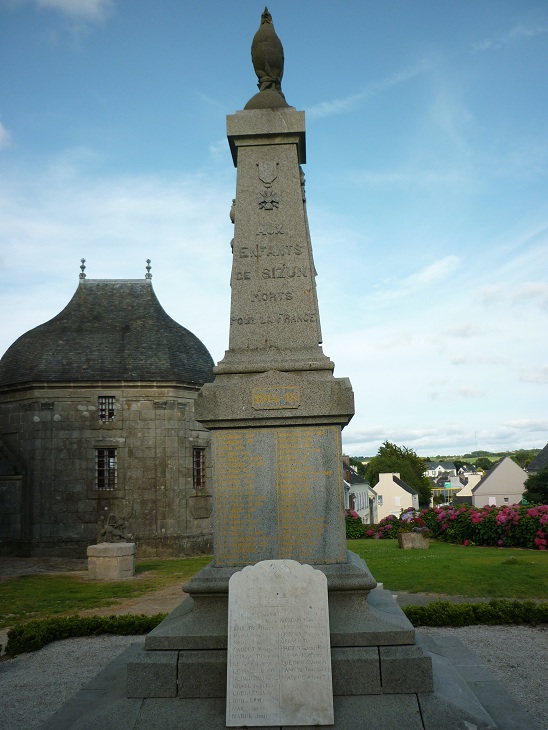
148 275
82 268
267 55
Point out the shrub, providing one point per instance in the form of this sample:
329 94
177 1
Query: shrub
508 526
495 612
36 634
354 526
388 528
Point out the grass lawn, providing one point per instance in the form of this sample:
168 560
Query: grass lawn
443 568
457 570
41 596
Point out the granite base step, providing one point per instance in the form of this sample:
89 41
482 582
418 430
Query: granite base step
465 696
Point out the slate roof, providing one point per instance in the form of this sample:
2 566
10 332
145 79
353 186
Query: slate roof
404 486
111 330
446 465
540 460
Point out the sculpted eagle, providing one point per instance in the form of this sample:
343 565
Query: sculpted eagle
267 55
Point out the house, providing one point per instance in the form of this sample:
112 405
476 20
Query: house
445 485
97 424
394 495
503 484
436 468
539 461
464 495
358 495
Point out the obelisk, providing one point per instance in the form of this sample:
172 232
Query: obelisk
275 410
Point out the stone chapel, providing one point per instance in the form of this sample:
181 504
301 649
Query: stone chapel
97 428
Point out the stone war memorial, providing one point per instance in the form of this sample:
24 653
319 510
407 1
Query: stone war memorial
285 627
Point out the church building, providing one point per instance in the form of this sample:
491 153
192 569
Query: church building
97 428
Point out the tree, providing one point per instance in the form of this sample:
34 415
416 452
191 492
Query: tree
392 458
536 487
356 462
483 463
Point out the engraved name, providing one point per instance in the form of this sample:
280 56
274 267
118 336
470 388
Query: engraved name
285 272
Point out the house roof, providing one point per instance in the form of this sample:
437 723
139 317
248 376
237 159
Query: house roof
492 472
351 475
404 486
110 330
446 465
539 461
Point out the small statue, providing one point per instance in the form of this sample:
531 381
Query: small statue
113 530
267 55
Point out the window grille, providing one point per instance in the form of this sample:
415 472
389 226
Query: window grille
198 469
105 469
105 405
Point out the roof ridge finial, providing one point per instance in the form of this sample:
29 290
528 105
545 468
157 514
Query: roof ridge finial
148 275
82 268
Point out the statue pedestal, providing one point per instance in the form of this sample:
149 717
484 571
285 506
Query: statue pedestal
111 560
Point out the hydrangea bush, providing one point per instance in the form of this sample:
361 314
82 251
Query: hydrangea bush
354 526
387 529
508 526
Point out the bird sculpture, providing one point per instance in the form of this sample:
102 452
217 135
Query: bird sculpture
267 55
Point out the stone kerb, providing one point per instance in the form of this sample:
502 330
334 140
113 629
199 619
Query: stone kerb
111 560
279 655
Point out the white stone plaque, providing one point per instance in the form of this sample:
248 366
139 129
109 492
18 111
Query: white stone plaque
279 656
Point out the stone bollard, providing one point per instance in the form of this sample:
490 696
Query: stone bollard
111 560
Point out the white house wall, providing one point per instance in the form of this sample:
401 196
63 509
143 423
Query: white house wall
394 499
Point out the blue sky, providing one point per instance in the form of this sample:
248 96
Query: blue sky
427 188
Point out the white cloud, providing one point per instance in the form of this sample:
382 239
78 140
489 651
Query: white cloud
463 331
93 10
540 375
491 294
391 290
352 101
449 438
535 291
52 218
470 392
5 137
515 33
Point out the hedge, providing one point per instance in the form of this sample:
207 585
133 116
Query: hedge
36 634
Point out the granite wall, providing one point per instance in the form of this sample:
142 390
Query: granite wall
53 506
